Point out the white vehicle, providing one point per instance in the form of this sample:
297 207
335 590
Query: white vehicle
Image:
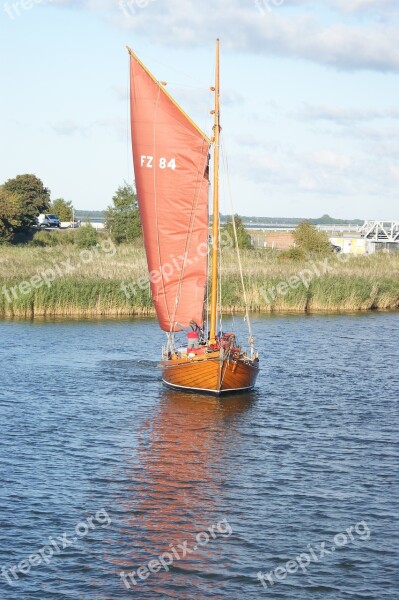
48 221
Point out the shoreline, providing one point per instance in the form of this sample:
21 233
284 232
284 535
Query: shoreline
139 313
152 317
60 281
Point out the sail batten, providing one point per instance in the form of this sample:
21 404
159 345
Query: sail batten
170 155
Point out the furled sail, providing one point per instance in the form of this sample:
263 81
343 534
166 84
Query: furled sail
170 156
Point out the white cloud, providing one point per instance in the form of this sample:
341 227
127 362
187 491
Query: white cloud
345 116
394 170
70 127
375 134
332 160
380 7
324 173
343 42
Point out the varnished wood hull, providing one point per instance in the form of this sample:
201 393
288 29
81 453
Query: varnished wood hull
210 375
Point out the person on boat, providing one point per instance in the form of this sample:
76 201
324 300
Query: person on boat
193 335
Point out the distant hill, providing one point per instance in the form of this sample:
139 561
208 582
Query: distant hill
324 220
90 214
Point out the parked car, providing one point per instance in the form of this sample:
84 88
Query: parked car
336 248
48 221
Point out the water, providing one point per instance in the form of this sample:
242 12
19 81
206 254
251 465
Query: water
88 431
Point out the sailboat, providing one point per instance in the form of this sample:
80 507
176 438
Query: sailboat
171 164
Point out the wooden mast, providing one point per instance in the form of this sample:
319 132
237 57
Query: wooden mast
215 226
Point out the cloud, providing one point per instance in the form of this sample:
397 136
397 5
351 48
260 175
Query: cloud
382 9
357 35
250 140
344 116
332 160
394 170
323 173
379 7
70 127
305 174
117 126
376 135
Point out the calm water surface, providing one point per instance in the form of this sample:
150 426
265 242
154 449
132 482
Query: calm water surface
250 481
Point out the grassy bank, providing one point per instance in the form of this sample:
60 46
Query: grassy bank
61 281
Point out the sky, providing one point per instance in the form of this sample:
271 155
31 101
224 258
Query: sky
309 93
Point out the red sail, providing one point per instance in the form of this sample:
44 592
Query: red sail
170 155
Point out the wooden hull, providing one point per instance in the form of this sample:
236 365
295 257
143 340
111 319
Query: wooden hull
210 375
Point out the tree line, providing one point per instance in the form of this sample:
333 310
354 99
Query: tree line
24 197
22 200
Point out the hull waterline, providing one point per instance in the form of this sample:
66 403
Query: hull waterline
210 375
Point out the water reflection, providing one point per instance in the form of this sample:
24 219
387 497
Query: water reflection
178 472
181 451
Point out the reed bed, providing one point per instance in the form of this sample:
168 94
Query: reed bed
87 283
329 283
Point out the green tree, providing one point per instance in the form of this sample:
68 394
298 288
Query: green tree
34 199
86 236
10 215
310 240
122 219
63 209
243 238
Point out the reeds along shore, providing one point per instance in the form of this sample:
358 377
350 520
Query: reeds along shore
112 281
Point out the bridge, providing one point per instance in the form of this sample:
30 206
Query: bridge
381 231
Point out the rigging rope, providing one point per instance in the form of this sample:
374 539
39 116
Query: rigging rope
220 284
208 271
226 167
